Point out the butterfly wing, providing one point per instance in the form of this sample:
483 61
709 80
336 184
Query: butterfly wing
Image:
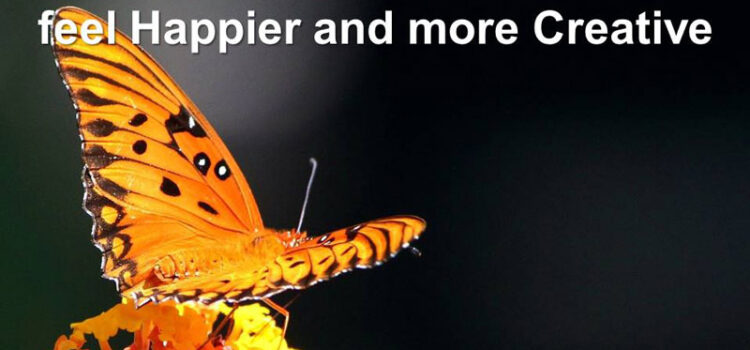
157 176
318 259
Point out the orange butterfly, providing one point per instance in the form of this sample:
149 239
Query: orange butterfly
173 214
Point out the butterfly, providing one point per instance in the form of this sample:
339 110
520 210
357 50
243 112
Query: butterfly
172 212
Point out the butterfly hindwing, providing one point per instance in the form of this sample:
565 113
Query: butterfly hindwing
315 260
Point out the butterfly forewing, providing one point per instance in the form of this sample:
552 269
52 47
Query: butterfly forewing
130 110
156 173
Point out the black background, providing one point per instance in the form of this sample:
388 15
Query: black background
576 196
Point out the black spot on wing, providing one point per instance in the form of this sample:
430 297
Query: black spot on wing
92 99
139 147
138 119
334 265
184 122
323 261
352 232
110 186
325 240
295 264
346 251
100 127
202 163
97 157
222 170
169 188
207 207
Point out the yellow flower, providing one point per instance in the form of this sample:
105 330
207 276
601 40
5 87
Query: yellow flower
171 326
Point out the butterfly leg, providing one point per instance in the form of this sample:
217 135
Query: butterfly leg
281 310
220 326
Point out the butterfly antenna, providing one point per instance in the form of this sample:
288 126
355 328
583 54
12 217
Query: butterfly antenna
314 164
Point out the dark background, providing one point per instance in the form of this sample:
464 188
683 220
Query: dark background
576 196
